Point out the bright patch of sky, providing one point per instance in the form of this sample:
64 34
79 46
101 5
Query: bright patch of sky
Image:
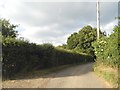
53 22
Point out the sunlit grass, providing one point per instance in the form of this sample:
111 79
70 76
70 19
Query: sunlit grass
109 74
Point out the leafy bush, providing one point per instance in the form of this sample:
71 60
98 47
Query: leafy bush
107 49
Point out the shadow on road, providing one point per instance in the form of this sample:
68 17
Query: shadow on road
71 71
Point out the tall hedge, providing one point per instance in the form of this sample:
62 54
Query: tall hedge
22 56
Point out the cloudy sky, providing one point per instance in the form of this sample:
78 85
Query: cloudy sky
53 22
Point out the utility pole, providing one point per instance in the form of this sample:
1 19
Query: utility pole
98 20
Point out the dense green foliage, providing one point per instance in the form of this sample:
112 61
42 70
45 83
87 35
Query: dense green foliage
107 49
20 56
82 41
8 30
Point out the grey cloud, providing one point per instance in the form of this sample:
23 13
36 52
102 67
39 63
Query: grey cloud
68 16
61 12
108 12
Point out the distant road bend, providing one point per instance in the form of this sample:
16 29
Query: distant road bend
80 76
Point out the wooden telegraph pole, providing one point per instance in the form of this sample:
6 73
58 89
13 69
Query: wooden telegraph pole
98 20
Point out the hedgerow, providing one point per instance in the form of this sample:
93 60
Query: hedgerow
20 56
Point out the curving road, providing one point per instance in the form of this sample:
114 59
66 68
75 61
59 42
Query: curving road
80 76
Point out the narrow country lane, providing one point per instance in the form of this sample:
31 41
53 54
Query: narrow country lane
80 76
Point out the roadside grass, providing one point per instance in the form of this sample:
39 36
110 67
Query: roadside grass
109 74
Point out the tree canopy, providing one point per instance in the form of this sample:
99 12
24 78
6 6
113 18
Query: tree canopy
8 29
82 40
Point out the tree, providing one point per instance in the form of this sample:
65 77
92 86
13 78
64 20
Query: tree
8 30
73 41
82 41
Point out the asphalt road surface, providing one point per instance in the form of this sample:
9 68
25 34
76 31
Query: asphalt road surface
81 76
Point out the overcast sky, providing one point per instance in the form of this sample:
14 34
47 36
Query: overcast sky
53 22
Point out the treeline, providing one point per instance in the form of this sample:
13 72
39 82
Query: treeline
106 50
82 40
21 56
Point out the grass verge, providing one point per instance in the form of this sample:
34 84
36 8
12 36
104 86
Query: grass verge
109 74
